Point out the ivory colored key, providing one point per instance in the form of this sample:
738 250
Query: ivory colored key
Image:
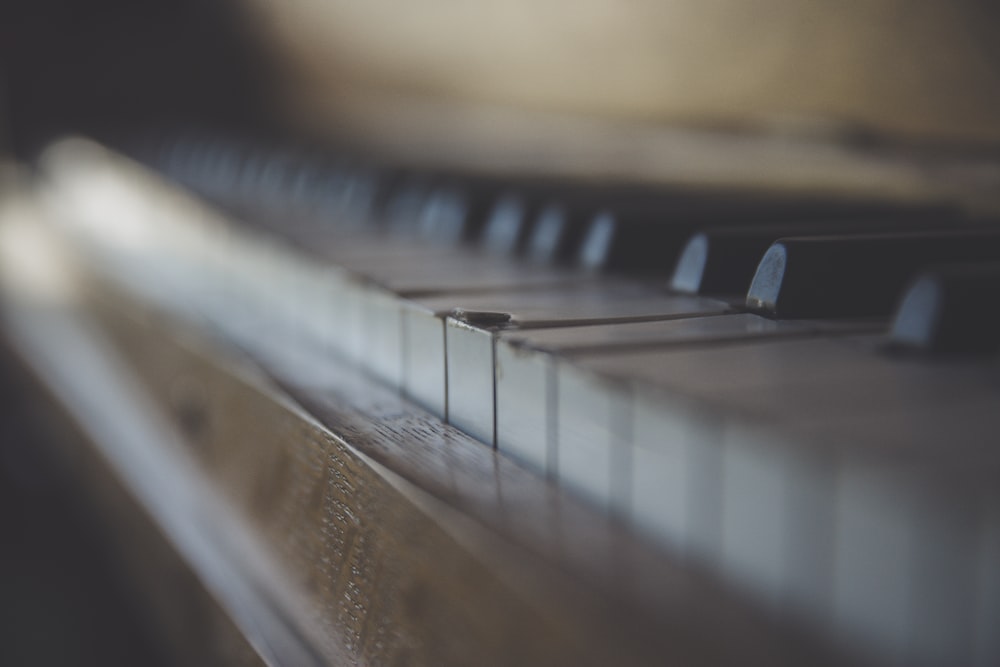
422 326
528 400
470 339
822 484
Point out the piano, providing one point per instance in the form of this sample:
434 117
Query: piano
519 335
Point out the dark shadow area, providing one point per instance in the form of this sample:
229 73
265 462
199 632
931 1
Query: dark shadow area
61 601
109 68
113 70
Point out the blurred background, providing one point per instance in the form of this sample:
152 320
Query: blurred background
62 601
103 68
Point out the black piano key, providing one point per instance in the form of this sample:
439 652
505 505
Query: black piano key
332 195
646 232
357 198
328 196
557 233
196 162
562 222
273 188
951 310
543 220
401 211
723 260
289 181
719 261
855 276
649 234
453 214
372 189
648 242
508 224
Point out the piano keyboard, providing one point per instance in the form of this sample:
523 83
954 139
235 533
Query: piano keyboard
797 394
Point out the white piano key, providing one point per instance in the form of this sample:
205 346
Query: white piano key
807 585
936 499
525 397
525 359
356 251
423 320
944 553
317 283
381 317
788 503
787 381
424 339
469 277
872 561
424 358
470 379
297 297
676 495
858 552
327 317
428 269
292 285
680 321
755 502
408 266
349 339
424 323
584 441
593 454
549 309
905 564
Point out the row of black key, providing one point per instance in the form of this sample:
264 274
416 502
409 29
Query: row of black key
793 258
